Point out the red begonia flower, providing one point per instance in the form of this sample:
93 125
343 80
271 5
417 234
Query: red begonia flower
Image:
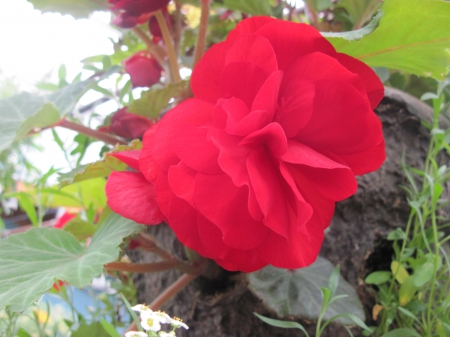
127 125
135 11
64 219
143 69
248 171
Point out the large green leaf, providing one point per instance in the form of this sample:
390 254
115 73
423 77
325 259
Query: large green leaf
76 8
413 36
22 113
297 292
101 168
30 262
25 112
254 7
154 100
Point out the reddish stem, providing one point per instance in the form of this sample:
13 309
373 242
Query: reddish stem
141 267
202 32
105 137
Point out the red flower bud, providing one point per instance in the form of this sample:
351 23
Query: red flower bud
143 70
128 125
138 7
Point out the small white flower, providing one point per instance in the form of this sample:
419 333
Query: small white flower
178 323
163 317
135 334
150 321
141 308
166 334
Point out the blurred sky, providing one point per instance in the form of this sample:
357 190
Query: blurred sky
33 44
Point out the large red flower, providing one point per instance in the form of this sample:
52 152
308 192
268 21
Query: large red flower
248 171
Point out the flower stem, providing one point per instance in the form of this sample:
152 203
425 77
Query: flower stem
172 290
202 30
156 51
311 13
107 138
141 267
178 28
173 63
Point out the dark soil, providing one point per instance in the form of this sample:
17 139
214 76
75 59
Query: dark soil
355 240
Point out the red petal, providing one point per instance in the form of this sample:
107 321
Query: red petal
242 80
297 102
333 180
194 150
292 40
182 182
131 158
193 112
225 205
183 221
342 122
277 202
374 87
267 97
205 79
133 197
319 66
272 136
254 49
249 26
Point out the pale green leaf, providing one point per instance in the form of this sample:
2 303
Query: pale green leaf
282 324
101 168
411 37
254 7
76 8
298 292
80 229
402 332
357 34
42 255
360 11
154 100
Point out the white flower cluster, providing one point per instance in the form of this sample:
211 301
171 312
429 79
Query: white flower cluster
151 322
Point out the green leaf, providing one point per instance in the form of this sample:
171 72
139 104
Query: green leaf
42 255
154 100
80 229
407 291
357 34
399 272
100 168
424 272
403 332
411 37
95 329
378 277
254 7
109 328
77 8
82 193
298 292
359 11
132 313
282 324
22 113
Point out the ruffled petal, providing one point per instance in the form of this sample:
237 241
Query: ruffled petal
343 121
182 182
242 80
193 112
297 105
248 26
374 87
272 136
131 158
133 197
267 97
292 40
254 49
277 202
335 181
189 143
205 79
225 205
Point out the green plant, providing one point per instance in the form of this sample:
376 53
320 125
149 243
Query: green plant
414 296
328 297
